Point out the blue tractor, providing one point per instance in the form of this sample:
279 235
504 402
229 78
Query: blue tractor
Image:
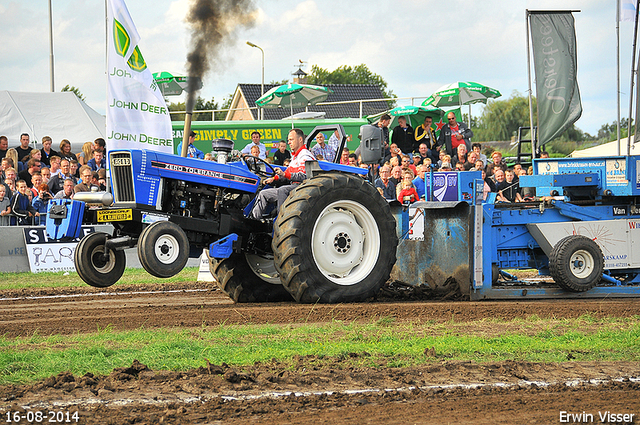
334 239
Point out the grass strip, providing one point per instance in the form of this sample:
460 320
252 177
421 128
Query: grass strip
71 279
27 359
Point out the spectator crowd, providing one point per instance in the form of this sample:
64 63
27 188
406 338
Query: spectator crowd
31 177
410 154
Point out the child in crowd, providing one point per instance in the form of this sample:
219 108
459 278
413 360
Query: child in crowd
21 205
41 201
406 191
441 155
35 153
446 166
252 162
511 193
73 168
5 209
11 184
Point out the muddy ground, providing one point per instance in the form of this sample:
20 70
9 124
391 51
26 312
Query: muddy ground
316 392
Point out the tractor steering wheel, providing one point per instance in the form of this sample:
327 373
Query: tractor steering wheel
255 167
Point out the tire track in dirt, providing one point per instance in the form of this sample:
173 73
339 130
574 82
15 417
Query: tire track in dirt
131 308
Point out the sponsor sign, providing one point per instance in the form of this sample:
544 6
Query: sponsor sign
46 255
616 170
445 186
105 216
619 211
152 218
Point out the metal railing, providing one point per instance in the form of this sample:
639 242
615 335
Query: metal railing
361 102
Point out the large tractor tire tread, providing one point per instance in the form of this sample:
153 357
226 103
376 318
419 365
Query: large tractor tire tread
306 242
235 278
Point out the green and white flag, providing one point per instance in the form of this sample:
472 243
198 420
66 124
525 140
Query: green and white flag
137 115
553 38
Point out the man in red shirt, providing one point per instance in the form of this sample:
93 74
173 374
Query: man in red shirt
289 178
454 134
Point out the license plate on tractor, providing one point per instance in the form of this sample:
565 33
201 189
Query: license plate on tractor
105 216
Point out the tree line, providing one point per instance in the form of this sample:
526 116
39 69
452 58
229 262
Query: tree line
499 121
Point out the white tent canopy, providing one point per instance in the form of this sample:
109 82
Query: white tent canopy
58 115
608 149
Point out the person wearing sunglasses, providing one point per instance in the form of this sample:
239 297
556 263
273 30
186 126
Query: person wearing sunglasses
454 134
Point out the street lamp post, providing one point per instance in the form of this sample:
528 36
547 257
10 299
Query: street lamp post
51 70
261 112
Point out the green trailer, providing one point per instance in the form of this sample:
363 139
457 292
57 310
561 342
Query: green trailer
271 131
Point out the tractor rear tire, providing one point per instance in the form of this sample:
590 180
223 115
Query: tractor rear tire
163 249
242 283
92 267
334 240
576 263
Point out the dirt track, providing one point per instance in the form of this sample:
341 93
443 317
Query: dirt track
417 395
189 305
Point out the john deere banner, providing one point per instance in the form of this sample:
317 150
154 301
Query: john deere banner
137 116
554 55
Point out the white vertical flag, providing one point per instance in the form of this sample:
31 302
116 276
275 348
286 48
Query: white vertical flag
137 115
627 10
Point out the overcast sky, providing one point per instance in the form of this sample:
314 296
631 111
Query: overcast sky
415 45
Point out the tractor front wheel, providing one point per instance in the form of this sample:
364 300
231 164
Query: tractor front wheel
163 249
95 266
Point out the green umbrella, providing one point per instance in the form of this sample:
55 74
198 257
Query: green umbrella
171 85
293 96
461 93
415 114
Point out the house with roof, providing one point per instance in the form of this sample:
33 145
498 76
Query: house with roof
246 95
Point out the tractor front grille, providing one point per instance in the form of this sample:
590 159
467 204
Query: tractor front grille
122 178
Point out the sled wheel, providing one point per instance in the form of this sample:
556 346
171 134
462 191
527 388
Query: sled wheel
163 249
91 265
248 278
334 240
576 263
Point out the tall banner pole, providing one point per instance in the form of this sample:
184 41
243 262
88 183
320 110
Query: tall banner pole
534 153
137 115
554 51
635 123
618 71
633 71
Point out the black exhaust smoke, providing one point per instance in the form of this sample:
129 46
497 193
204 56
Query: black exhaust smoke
213 27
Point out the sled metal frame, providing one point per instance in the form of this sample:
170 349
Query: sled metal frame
594 197
517 238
